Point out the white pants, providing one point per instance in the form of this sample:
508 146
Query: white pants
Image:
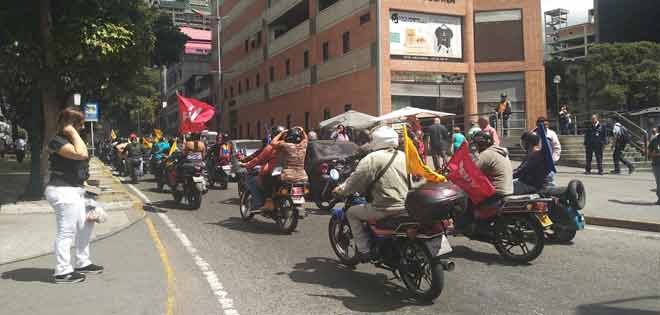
356 215
69 205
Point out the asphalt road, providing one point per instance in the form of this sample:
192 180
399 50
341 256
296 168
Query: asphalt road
222 265
266 272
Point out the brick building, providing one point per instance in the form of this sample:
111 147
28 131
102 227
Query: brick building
298 62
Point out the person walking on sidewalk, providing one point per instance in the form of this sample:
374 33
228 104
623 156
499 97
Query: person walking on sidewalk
439 138
69 167
595 139
654 154
621 139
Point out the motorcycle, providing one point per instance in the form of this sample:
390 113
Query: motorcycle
187 180
410 248
288 202
565 210
158 169
324 200
146 165
220 173
134 168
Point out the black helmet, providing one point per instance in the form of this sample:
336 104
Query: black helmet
294 136
276 130
482 139
529 139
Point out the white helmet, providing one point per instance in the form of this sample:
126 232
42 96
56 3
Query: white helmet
384 137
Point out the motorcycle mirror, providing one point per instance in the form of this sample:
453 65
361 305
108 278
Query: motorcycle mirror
334 175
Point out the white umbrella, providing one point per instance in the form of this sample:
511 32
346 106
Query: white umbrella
412 111
350 118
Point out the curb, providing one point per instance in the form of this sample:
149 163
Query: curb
133 217
623 224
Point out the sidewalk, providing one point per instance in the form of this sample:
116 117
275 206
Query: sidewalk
27 228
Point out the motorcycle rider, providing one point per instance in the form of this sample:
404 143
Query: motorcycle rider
133 150
494 162
531 175
294 149
259 186
383 175
159 152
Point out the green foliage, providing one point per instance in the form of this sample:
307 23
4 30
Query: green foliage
169 41
625 74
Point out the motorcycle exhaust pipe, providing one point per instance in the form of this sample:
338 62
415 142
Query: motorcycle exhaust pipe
447 265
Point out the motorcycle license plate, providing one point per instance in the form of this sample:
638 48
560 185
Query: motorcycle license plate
299 200
439 246
226 167
198 179
544 219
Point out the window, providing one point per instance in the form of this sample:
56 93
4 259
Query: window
365 18
247 84
259 39
240 88
326 114
288 121
246 45
288 67
240 131
231 89
306 59
346 42
226 94
258 79
306 120
326 51
490 25
272 73
248 131
348 107
259 129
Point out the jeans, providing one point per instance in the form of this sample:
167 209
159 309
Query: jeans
257 194
70 213
656 173
521 188
356 215
598 151
618 157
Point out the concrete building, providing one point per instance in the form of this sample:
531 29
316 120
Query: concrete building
298 62
189 77
185 13
568 42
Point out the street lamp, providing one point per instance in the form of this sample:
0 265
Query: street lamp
556 80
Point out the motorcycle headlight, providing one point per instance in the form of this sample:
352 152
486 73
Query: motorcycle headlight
334 175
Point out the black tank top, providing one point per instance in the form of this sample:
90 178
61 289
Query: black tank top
65 172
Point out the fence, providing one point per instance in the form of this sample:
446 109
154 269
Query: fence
516 123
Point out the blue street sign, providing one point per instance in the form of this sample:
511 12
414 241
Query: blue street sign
92 112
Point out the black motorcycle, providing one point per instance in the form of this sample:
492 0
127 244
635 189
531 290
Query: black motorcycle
134 168
189 182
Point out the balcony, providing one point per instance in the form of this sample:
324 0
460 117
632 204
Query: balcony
252 60
239 38
290 84
290 38
354 61
279 7
253 96
338 12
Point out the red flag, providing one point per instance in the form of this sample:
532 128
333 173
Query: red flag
193 114
467 175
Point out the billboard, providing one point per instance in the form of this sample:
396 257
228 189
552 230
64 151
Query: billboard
420 36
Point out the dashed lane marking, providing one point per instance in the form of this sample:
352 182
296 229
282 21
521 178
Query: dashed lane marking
214 282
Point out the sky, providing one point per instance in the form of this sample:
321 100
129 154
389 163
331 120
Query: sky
578 8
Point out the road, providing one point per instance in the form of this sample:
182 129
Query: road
220 263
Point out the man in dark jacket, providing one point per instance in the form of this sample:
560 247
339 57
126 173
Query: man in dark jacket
439 136
621 139
531 175
595 139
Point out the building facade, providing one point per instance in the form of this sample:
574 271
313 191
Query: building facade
185 13
299 62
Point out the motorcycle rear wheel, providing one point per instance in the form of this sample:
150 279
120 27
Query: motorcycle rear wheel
224 184
417 269
341 240
178 196
195 199
287 218
514 232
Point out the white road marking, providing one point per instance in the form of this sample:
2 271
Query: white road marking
622 231
218 289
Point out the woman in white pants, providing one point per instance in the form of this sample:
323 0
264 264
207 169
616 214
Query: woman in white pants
69 168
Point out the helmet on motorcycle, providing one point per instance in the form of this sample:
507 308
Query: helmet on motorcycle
482 140
384 137
276 130
294 136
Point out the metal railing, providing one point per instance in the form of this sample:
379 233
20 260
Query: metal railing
515 125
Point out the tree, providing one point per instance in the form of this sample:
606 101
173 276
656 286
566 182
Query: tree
625 75
169 41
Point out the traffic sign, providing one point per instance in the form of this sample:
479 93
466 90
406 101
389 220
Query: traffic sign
92 112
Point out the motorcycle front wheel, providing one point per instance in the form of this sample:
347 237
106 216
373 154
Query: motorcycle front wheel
246 206
341 240
519 238
423 277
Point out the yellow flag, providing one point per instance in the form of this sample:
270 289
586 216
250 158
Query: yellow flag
146 142
113 135
414 163
173 148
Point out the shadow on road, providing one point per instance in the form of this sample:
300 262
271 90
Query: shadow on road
632 203
369 293
164 205
611 307
29 275
231 201
252 226
486 258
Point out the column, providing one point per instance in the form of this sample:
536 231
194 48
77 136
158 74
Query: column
470 91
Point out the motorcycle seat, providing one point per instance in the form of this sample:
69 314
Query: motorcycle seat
554 191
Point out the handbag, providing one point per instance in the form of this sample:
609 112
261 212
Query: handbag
379 175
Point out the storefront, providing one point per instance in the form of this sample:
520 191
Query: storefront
434 91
